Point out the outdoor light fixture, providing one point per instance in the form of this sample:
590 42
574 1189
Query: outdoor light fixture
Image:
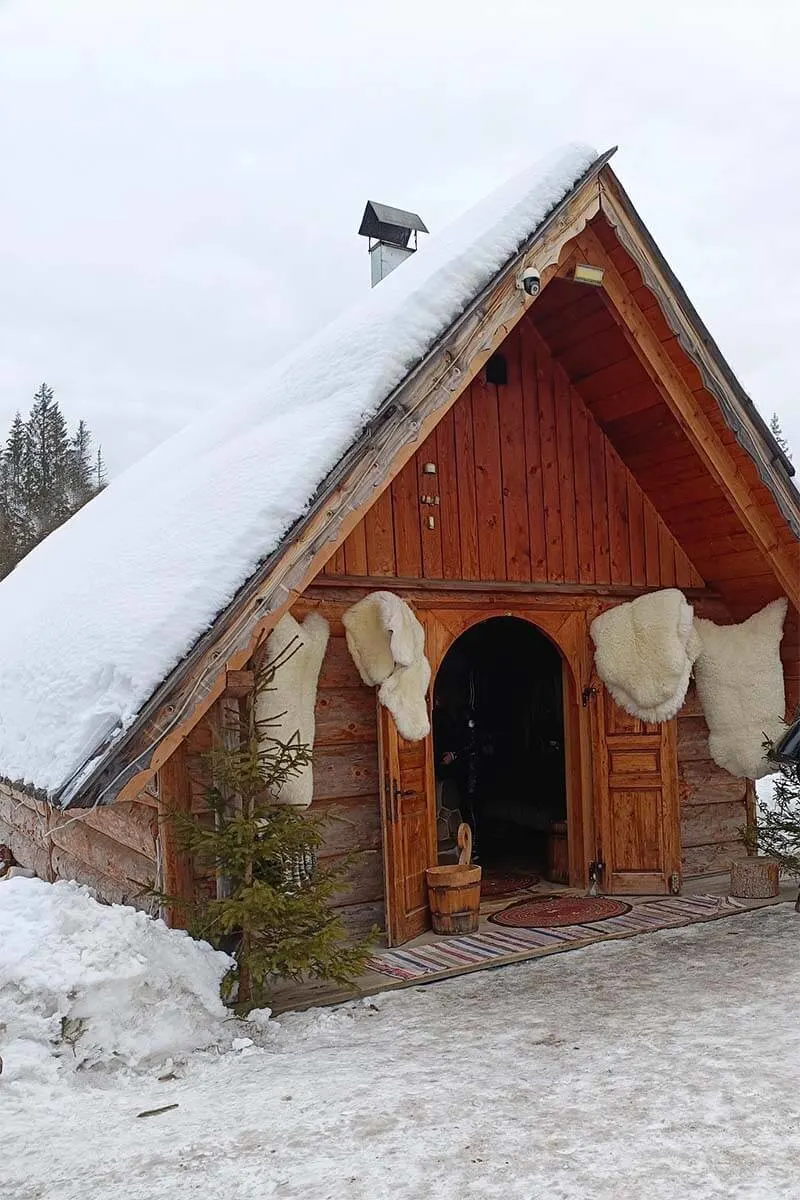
584 273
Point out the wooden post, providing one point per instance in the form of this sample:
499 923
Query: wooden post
177 873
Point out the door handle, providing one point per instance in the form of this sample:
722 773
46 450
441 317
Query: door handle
397 795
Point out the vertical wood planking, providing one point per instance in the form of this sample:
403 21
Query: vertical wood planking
533 460
666 556
488 480
428 485
529 488
617 490
597 472
550 485
512 453
636 532
448 497
652 566
405 510
467 504
335 564
685 574
566 474
355 551
583 489
379 530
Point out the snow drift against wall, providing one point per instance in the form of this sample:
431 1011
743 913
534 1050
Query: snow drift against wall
86 985
98 614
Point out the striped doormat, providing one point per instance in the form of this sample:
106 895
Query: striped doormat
452 953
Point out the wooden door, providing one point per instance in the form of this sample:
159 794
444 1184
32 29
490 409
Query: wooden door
636 772
408 817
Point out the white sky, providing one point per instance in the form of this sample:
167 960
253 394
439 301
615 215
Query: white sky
182 180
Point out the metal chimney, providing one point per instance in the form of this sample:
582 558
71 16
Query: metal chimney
392 234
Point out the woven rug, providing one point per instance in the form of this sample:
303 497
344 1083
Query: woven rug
453 953
553 911
506 884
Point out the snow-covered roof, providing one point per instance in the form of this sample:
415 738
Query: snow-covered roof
97 616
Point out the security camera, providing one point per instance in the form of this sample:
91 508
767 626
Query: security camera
530 281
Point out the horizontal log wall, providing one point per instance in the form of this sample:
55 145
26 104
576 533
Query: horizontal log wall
346 779
713 802
112 850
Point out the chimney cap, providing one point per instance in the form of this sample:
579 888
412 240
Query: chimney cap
388 224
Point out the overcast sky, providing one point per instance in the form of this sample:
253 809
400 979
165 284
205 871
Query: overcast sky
182 181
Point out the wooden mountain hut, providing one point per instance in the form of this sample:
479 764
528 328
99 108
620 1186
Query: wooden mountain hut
513 466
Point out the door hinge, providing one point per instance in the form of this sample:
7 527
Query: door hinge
588 694
675 883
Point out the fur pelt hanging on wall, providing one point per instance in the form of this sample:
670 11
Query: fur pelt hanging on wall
740 683
644 651
293 694
387 644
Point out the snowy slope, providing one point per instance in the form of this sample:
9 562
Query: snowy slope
97 616
658 1068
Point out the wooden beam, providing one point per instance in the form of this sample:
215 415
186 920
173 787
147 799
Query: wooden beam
689 415
738 410
238 684
495 588
177 872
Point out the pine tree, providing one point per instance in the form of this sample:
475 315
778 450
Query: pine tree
45 476
100 474
17 534
48 464
777 433
776 832
81 485
273 912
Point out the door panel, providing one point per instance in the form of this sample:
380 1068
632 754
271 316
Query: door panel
408 799
637 790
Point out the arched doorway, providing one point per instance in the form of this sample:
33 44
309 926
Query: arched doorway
500 748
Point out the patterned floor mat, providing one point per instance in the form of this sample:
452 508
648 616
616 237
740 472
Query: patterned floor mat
449 953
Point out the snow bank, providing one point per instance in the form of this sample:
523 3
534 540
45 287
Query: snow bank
84 984
99 613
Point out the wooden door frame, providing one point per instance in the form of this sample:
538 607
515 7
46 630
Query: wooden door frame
566 627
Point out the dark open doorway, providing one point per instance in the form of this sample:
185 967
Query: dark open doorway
499 748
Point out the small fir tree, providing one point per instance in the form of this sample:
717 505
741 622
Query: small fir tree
272 909
777 433
776 832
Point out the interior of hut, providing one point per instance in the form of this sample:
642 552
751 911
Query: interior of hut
499 749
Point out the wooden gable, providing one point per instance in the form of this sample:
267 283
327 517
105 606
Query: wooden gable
528 489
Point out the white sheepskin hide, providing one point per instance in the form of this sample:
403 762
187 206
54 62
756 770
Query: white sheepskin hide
387 644
644 651
739 678
403 693
289 704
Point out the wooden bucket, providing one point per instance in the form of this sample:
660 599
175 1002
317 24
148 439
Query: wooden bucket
454 893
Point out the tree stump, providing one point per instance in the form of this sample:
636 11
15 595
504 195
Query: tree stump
754 878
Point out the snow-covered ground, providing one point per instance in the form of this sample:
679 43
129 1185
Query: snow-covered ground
662 1066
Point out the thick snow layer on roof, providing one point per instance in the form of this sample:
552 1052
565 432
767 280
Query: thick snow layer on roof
95 618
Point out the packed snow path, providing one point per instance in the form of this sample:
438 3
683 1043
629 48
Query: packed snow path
662 1066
